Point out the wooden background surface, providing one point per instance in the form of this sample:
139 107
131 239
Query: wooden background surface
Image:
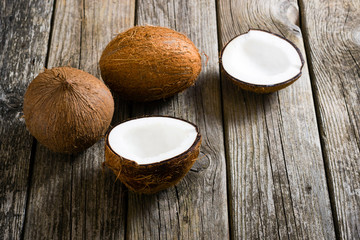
278 166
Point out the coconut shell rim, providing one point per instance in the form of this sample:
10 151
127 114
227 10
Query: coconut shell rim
285 83
190 149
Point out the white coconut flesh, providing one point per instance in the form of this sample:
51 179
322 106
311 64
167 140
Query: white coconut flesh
152 139
261 58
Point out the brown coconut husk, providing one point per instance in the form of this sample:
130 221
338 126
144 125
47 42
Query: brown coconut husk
67 110
261 89
151 178
147 63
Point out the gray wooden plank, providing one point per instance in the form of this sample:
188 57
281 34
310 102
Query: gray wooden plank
98 200
71 197
277 183
197 207
24 36
333 42
49 211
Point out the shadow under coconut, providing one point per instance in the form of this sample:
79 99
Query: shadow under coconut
246 102
72 193
201 164
162 107
50 194
122 110
172 208
99 199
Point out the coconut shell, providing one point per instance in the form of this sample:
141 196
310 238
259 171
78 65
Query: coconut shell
263 89
67 110
147 63
151 178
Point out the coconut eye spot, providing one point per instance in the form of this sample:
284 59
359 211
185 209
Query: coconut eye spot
261 58
152 139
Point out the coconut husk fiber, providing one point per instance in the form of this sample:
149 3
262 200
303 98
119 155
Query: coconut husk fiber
67 110
151 178
147 63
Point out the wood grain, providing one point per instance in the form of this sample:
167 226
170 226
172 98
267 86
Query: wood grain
24 36
276 160
71 197
100 208
333 43
276 173
197 207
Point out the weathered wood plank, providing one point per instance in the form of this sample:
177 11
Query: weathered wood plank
24 35
197 207
99 208
49 211
333 41
71 198
276 173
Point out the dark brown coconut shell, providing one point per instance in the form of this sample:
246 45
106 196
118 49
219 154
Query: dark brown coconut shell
266 88
261 88
147 63
67 110
152 178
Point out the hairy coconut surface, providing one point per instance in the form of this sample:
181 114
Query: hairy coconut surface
156 176
67 110
147 63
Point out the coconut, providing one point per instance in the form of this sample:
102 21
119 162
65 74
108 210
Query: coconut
150 154
261 61
67 110
147 63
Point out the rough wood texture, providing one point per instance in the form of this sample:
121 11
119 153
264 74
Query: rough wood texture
100 207
71 198
275 163
197 207
24 35
333 42
276 174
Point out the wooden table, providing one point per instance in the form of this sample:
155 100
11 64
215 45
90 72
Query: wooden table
276 166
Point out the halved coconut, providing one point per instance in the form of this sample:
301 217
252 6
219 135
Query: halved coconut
261 61
150 154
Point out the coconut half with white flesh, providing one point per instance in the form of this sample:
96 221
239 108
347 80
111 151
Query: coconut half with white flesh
150 154
261 61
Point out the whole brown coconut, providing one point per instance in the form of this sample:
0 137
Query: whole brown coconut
67 110
152 177
147 63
